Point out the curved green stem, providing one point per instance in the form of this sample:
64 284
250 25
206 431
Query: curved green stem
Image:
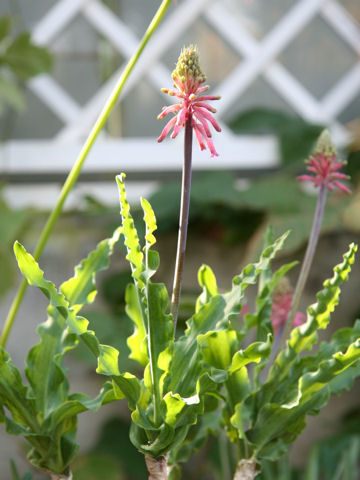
76 169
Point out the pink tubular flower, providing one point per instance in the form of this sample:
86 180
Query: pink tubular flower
192 107
324 166
281 306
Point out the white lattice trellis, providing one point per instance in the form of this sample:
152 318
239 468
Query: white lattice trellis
259 58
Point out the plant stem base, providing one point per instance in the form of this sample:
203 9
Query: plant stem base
157 467
246 470
59 476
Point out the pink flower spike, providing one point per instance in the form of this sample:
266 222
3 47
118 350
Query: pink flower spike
167 110
203 89
167 129
210 97
281 306
205 105
299 319
208 140
204 113
199 137
342 187
324 165
187 78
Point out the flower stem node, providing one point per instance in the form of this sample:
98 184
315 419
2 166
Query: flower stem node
192 106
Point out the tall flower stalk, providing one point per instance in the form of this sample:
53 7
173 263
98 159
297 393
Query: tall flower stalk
76 169
191 112
323 167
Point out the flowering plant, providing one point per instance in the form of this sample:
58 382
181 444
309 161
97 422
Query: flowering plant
214 376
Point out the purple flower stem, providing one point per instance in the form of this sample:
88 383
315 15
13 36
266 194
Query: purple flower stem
307 262
183 221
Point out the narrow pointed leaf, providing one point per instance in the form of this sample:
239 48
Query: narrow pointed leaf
151 256
128 230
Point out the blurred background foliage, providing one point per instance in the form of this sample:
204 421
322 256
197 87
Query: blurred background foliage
20 60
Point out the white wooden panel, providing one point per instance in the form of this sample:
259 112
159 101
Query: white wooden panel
55 97
136 155
55 20
259 59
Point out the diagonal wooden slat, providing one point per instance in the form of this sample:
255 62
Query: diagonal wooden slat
280 36
282 81
171 28
121 37
55 20
260 58
343 23
55 97
342 93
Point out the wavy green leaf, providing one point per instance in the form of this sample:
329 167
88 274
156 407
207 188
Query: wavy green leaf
128 230
107 356
300 386
207 281
177 411
136 299
81 290
208 424
166 438
44 370
160 339
137 341
151 257
215 315
35 276
78 402
15 396
278 422
305 336
218 347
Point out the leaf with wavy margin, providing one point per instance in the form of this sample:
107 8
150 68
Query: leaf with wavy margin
213 316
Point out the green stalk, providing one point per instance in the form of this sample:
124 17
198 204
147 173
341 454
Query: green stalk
224 457
184 220
307 262
76 169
